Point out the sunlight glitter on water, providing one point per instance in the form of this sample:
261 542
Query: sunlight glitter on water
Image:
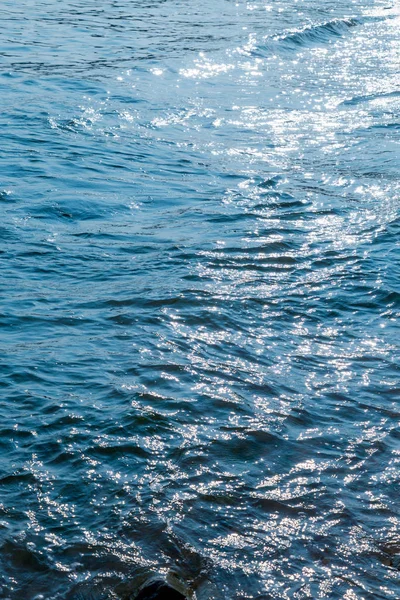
200 358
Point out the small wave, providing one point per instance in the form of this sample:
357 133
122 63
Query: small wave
5 196
368 98
320 33
316 35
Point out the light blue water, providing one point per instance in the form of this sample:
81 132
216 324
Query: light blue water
199 298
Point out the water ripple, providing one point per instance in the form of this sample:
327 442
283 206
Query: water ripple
199 352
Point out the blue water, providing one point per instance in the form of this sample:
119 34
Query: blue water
199 298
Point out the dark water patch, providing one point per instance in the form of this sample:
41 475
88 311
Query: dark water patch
17 555
18 478
159 590
390 552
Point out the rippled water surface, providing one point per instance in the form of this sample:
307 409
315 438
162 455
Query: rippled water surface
199 298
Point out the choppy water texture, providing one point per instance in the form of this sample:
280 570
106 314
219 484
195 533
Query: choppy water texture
200 286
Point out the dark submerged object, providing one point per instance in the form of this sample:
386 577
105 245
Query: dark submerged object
159 590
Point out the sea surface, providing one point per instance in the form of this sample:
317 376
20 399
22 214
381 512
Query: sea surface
200 293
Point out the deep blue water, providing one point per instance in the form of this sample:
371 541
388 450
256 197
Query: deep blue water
200 288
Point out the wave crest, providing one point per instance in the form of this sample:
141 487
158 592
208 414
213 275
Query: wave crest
318 34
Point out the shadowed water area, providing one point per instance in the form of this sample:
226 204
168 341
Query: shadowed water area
199 299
